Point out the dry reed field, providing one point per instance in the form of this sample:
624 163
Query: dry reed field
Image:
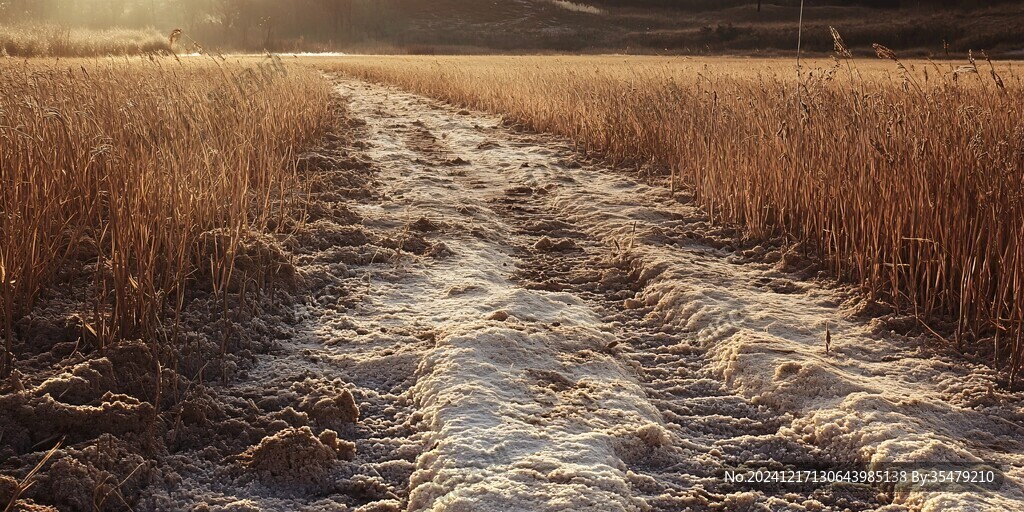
904 176
534 283
42 40
146 175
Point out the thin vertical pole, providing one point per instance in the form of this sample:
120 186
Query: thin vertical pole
799 41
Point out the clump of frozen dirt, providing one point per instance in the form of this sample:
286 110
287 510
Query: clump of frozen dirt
107 473
340 409
296 458
104 433
112 392
545 244
259 259
8 488
129 367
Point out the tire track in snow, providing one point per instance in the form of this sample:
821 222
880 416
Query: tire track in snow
702 428
711 428
522 405
531 394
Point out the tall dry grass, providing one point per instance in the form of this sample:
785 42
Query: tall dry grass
905 177
48 40
142 172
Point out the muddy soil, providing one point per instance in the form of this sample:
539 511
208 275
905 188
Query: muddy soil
475 318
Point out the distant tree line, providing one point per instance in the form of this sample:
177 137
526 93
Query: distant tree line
278 25
710 5
238 23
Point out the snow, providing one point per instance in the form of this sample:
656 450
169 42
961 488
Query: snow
532 411
494 440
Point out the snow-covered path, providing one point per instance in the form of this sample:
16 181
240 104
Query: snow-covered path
595 350
532 330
